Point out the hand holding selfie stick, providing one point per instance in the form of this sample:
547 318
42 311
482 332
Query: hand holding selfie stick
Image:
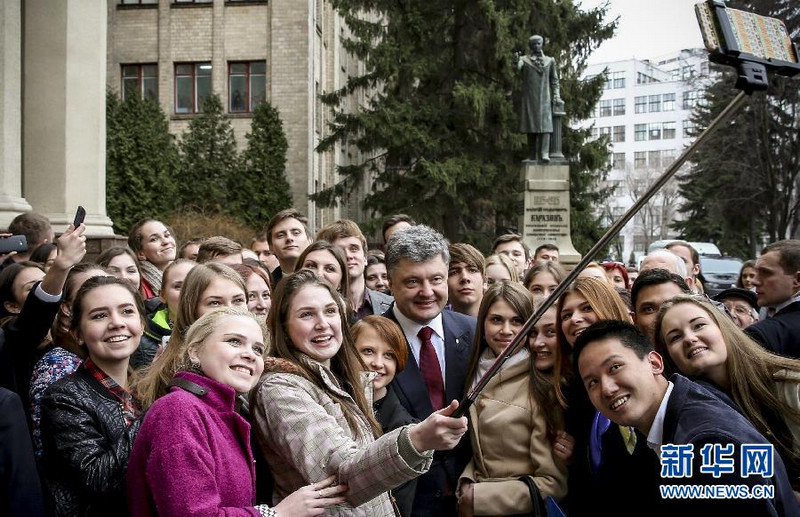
752 77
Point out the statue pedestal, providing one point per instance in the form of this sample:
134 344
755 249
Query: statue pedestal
546 217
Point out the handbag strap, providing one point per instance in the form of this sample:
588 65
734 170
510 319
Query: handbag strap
536 498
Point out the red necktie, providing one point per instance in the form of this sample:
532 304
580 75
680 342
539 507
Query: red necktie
429 366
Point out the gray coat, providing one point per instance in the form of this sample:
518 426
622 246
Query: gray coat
539 88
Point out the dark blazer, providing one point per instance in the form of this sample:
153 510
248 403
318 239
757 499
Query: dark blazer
434 487
379 301
780 333
19 345
20 493
695 415
391 415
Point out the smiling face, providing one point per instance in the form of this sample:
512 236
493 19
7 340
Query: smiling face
576 315
220 292
501 325
233 353
464 284
314 325
378 355
376 278
123 267
110 325
624 388
420 288
325 265
158 245
289 239
542 285
542 341
695 343
258 296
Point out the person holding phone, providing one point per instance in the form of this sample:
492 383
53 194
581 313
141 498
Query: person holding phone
26 232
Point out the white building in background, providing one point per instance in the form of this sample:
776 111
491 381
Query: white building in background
645 110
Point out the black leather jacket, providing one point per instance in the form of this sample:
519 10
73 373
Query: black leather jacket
86 447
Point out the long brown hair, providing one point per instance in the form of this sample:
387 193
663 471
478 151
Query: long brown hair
542 393
346 365
750 369
606 304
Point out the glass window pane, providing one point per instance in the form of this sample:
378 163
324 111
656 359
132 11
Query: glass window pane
203 90
150 88
258 90
183 69
183 95
149 70
203 69
130 71
258 67
238 94
238 68
130 88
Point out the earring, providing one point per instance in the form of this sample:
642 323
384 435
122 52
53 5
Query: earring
194 366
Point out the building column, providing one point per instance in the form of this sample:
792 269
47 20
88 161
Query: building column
64 110
11 200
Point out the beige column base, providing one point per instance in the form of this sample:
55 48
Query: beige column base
546 216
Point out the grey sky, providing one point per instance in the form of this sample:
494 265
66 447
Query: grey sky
648 28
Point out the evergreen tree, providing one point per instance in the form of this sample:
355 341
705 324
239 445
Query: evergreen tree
440 124
744 186
208 160
261 189
141 161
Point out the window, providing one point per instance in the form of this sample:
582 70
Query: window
668 102
688 129
619 79
192 1
640 132
140 81
605 108
640 160
594 132
645 79
689 100
138 2
654 159
609 84
605 131
668 156
655 103
619 106
247 85
192 86
687 72
640 104
668 130
618 161
654 131
675 75
619 133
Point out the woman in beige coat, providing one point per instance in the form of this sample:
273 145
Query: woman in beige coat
514 421
313 413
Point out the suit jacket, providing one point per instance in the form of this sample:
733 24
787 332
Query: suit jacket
434 487
20 493
379 301
780 333
696 416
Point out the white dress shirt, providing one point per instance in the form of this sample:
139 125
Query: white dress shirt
411 330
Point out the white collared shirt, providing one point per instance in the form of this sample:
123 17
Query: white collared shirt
411 329
785 304
656 434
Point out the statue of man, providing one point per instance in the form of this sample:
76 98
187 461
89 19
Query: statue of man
539 94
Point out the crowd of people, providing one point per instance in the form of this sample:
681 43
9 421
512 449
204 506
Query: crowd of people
304 374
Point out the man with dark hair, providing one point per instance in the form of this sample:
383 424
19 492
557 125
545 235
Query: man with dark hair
651 289
690 257
288 236
394 223
465 278
511 245
220 249
624 378
37 231
777 283
546 253
347 235
260 246
439 348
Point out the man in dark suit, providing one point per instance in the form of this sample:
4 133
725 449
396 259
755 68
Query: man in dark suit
625 381
439 343
777 284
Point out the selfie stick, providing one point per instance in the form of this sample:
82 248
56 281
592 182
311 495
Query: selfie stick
521 338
